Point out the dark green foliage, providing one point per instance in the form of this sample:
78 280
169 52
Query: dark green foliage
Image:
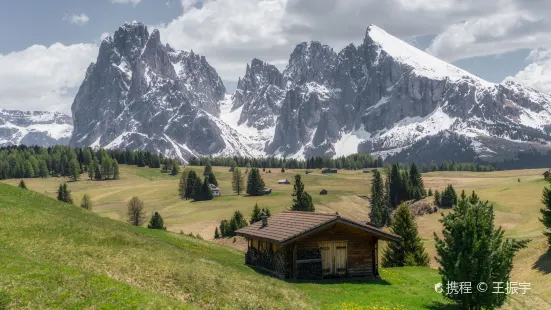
417 185
74 169
302 200
228 228
183 184
256 215
409 251
380 208
216 233
175 168
43 169
136 214
405 184
86 202
156 222
206 193
437 198
430 192
546 213
472 250
115 169
190 184
212 179
22 184
449 197
64 194
255 184
396 190
238 182
208 169
197 189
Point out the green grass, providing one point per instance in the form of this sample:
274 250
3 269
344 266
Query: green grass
56 255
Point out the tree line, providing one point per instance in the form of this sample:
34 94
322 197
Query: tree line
41 162
455 166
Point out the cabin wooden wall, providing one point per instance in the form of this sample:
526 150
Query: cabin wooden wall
360 246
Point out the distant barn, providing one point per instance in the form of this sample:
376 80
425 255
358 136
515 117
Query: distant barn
367 171
330 170
284 181
215 190
323 192
310 245
547 174
267 191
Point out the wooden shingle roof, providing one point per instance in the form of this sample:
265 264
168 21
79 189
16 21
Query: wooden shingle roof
292 225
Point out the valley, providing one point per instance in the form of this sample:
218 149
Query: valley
516 196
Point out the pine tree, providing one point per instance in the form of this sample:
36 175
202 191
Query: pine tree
208 170
212 179
437 198
43 169
256 214
197 189
22 184
91 169
546 213
183 183
378 214
416 181
86 202
135 212
74 172
206 193
190 184
97 170
106 167
237 222
224 228
64 194
395 185
449 197
255 184
472 250
115 169
60 193
156 222
238 182
302 200
216 233
430 192
175 168
409 251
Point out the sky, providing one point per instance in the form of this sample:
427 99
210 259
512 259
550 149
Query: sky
46 46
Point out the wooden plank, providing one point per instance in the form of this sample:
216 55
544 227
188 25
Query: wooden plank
295 270
306 261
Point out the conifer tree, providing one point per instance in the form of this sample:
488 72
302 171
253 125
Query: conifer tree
91 169
175 168
43 169
97 172
255 184
546 213
238 182
395 185
191 182
156 222
106 167
216 233
224 228
237 222
472 250
212 179
208 170
115 169
430 192
86 202
183 183
379 214
136 215
206 193
74 172
449 197
60 193
197 189
302 200
64 194
416 181
409 251
437 198
22 184
256 214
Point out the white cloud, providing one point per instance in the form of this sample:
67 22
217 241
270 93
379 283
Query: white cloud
40 77
133 2
77 19
538 73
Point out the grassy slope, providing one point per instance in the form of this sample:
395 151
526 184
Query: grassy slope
56 255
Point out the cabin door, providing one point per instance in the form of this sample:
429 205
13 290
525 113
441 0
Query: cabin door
334 256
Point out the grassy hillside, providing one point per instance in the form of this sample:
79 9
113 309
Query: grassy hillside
56 255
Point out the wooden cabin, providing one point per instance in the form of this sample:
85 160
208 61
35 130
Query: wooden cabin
310 245
367 170
330 170
323 192
284 181
267 191
547 175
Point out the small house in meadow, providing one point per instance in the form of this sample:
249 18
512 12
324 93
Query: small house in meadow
215 190
308 171
284 181
367 170
323 192
311 245
267 191
547 175
330 170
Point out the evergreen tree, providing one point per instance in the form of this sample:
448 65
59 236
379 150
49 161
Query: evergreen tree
86 157
416 181
22 184
379 214
238 182
91 169
216 233
237 222
86 202
472 250
64 194
175 168
74 172
106 167
183 183
395 192
233 165
474 199
546 213
97 172
437 198
156 222
136 215
43 169
208 170
197 190
190 184
115 169
430 192
449 197
255 184
206 193
256 214
302 200
224 228
212 179
409 251
60 193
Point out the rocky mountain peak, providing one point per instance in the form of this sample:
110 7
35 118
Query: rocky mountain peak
310 62
130 39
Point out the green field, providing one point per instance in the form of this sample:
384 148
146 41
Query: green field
516 203
56 255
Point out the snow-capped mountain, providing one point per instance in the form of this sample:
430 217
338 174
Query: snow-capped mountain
383 96
34 128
